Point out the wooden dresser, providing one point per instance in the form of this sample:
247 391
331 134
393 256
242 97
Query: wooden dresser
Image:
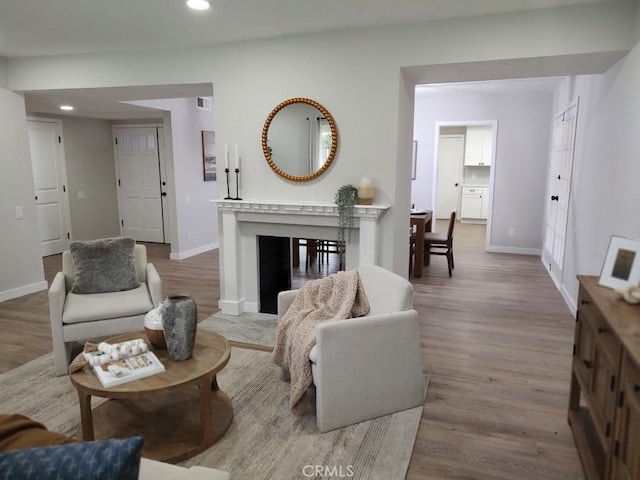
604 401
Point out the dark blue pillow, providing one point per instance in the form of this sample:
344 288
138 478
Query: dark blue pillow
101 460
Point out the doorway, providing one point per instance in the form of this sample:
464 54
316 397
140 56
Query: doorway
140 183
464 171
50 184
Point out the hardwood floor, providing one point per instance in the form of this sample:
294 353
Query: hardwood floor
496 337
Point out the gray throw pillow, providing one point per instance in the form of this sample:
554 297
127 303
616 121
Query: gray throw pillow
105 265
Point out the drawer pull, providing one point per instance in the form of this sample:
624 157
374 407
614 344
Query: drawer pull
636 388
603 330
589 364
584 302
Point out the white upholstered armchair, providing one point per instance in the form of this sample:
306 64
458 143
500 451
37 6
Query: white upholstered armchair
369 366
78 316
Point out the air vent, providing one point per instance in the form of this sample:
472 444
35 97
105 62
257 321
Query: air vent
203 103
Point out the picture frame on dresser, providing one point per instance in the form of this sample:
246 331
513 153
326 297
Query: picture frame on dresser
621 267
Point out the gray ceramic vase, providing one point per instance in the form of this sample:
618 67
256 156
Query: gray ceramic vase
179 321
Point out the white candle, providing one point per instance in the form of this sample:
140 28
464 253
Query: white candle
226 156
237 158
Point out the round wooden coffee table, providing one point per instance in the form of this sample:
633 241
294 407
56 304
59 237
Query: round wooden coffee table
160 408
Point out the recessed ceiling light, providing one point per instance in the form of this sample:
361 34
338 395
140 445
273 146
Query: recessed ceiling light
198 4
66 107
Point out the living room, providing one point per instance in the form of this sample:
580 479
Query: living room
593 45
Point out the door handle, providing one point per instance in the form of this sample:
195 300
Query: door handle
554 197
164 194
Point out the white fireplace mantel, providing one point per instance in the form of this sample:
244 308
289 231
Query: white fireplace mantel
244 220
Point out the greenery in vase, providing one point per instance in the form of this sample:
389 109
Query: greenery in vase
346 198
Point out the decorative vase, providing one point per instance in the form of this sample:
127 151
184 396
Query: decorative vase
180 320
365 192
153 328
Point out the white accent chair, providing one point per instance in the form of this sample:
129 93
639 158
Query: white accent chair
78 317
369 366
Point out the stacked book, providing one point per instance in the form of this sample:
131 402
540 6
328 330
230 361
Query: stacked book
118 363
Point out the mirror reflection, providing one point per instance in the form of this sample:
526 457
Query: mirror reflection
299 139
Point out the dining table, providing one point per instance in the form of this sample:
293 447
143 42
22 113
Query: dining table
422 221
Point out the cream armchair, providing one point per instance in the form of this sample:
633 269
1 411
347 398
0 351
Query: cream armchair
77 317
369 366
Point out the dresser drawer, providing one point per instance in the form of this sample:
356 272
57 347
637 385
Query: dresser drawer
603 334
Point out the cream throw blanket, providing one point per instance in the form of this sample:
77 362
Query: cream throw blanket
335 297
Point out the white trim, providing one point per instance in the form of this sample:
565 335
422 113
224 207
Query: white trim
232 307
23 290
571 304
296 208
515 250
573 307
194 251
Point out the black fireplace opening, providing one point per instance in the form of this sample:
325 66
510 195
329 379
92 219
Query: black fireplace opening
274 261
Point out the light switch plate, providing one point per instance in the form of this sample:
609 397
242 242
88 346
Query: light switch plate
19 213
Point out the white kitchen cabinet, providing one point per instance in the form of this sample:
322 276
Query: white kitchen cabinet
471 202
478 144
474 203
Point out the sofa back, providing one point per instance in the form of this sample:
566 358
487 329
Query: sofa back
139 251
386 291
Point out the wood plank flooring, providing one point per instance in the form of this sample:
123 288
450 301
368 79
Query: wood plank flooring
496 337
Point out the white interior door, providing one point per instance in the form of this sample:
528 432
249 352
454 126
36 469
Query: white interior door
49 179
450 156
559 189
139 194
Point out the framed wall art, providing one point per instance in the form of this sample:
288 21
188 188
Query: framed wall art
621 266
209 155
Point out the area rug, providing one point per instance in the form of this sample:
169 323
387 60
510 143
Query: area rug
266 439
247 329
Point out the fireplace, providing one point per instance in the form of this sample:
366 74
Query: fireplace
274 270
244 221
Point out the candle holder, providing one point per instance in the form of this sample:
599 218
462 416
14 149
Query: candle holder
228 197
237 197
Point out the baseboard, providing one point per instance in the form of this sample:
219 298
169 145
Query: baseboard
516 250
231 307
568 300
24 290
194 251
571 304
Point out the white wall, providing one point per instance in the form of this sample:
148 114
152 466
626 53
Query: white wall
21 270
605 195
194 215
88 148
521 155
365 97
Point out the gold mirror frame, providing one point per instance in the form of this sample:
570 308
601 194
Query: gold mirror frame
334 140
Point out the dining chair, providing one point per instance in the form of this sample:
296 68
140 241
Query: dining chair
412 247
440 244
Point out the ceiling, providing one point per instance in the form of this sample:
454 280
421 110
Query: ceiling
55 27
